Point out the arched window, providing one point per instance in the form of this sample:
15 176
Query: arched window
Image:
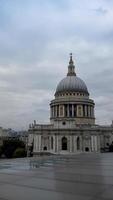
64 143
78 143
51 142
45 148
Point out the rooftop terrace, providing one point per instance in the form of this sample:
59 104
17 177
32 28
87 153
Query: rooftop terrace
85 176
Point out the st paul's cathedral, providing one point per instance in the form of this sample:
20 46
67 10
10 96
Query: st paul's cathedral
72 125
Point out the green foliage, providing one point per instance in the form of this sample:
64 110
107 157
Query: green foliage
19 153
9 147
1 151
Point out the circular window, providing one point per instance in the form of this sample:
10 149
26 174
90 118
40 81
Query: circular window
63 123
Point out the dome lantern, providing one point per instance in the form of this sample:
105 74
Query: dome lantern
71 67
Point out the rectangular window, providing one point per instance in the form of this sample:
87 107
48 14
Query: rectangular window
65 110
70 110
75 110
84 110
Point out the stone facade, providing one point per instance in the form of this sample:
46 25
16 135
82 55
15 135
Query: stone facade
72 125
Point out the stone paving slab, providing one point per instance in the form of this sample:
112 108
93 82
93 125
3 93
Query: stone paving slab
78 177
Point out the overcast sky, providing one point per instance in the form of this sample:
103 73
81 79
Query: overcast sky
36 37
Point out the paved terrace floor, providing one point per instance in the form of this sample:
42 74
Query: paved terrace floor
81 177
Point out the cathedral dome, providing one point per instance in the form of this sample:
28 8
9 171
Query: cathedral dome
71 83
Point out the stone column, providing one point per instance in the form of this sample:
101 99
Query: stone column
53 143
92 111
34 146
96 145
55 111
72 137
85 107
61 110
36 143
70 141
55 148
81 110
77 111
88 111
39 142
64 110
57 144
75 143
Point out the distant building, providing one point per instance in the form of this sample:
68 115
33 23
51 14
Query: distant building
4 133
9 134
72 125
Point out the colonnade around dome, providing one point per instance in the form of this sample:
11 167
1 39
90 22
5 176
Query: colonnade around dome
72 111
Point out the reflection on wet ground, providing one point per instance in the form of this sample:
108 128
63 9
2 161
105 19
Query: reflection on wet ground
76 177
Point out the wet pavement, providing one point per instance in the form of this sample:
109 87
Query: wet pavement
85 176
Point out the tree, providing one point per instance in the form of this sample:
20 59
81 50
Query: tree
19 153
111 147
9 146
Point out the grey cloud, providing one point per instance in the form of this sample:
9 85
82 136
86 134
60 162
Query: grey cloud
101 83
35 40
101 89
101 10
